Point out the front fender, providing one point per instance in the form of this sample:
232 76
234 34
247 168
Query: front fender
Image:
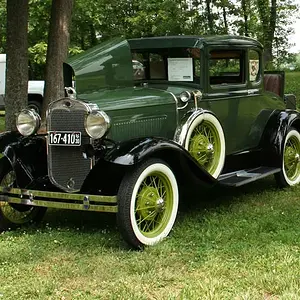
272 140
110 170
185 123
7 138
27 155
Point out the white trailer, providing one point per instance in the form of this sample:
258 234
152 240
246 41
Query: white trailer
35 88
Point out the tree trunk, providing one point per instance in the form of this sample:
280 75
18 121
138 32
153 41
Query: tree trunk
225 20
209 17
245 15
268 16
16 84
57 51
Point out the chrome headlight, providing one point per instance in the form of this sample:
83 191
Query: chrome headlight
28 122
97 124
185 96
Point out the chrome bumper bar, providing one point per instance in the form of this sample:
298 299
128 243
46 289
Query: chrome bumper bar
59 200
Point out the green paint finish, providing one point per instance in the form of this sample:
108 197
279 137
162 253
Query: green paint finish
137 112
190 41
148 108
154 203
106 65
291 158
242 116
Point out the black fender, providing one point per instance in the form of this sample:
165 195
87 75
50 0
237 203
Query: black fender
27 155
109 170
273 137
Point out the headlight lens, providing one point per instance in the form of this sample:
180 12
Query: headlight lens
185 96
28 122
97 124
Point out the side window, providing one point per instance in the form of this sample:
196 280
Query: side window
138 67
254 66
157 66
227 67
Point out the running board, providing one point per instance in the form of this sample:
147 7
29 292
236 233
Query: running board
242 177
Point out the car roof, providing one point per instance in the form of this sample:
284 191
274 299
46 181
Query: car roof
193 41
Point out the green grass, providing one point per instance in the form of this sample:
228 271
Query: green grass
292 86
241 244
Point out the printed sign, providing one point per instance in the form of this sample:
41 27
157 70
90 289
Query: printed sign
180 69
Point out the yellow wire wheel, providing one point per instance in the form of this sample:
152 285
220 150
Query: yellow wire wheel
290 174
12 215
205 142
147 203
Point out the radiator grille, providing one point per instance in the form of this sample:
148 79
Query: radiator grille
67 167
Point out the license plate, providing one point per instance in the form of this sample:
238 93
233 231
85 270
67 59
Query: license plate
64 138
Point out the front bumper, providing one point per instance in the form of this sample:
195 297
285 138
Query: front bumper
59 200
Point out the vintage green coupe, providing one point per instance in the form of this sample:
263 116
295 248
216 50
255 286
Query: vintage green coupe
148 116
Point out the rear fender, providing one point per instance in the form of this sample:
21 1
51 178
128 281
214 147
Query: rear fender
272 141
109 171
26 155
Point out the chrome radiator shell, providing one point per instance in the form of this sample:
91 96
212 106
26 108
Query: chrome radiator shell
67 168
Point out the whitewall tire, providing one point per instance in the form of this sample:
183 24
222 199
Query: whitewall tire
205 141
147 203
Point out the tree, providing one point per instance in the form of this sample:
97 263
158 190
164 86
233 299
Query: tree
57 51
268 16
16 61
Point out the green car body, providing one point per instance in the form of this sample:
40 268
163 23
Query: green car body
154 109
147 117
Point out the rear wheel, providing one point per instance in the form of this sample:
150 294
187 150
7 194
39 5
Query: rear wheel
147 203
12 215
290 171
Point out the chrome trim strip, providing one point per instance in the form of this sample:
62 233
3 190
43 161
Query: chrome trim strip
58 195
60 205
176 100
88 202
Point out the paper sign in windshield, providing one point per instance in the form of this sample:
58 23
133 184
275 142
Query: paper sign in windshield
180 69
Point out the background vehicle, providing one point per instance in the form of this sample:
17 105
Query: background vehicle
35 88
196 113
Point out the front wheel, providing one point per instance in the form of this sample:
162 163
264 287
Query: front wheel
12 215
290 171
147 203
205 141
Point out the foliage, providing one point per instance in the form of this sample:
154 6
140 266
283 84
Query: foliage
2 26
292 86
96 21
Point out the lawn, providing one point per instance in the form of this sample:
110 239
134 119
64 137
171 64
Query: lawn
292 86
226 244
239 244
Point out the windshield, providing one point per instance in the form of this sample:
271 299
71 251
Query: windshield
168 64
107 65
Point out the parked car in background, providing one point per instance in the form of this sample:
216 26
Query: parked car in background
150 116
35 89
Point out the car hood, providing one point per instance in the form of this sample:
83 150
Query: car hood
130 97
